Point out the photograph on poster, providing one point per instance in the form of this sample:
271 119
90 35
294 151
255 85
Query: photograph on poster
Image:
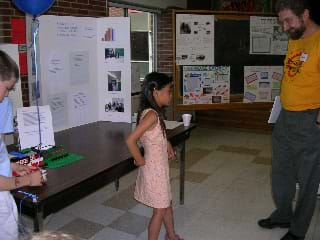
114 55
261 44
114 81
264 84
114 105
185 28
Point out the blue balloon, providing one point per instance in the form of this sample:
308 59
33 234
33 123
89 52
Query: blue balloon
33 7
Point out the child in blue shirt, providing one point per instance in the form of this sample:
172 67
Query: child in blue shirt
9 75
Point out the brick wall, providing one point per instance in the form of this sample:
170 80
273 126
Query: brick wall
92 8
89 8
165 49
164 43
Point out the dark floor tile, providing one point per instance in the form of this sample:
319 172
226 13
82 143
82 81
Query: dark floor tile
81 228
130 223
192 156
240 150
195 177
262 160
122 200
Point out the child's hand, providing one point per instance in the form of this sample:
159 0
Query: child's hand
35 178
21 170
140 163
171 152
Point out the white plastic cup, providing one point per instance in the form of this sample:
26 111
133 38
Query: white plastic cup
134 118
186 119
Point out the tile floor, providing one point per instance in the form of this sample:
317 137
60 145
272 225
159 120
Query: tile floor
227 191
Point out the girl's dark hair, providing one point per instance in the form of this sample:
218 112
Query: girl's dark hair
296 6
153 81
8 68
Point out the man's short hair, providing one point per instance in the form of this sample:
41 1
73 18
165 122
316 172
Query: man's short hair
296 6
8 68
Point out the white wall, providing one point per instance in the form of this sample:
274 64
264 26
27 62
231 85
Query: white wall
162 4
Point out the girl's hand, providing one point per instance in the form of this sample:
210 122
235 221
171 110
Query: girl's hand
139 164
171 152
20 169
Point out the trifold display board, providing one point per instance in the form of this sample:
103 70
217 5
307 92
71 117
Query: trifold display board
85 69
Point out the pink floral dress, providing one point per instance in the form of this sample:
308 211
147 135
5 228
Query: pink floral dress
153 181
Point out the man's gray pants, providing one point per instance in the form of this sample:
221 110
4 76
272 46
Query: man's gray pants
296 159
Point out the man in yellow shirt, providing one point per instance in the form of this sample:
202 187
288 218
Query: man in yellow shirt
296 135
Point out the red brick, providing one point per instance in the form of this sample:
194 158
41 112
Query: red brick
5 39
4 4
6 11
64 4
97 3
79 6
5 19
83 1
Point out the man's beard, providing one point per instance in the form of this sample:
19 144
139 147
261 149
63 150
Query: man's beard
296 33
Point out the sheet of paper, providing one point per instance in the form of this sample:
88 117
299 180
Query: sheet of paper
172 124
28 127
276 108
266 36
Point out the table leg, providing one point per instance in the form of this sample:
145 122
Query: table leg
182 171
116 184
37 220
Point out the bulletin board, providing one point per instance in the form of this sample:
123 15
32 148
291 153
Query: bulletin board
231 48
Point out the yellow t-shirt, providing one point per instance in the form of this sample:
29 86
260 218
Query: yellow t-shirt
300 87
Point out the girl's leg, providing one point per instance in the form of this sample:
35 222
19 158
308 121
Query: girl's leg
169 223
155 223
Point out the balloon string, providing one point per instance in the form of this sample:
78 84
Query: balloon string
35 31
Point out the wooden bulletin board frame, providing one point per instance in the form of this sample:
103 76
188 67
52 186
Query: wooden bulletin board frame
235 99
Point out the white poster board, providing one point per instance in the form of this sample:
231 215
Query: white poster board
194 39
114 69
75 69
16 94
262 83
206 84
266 36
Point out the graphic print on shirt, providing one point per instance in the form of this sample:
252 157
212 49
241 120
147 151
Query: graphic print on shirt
294 64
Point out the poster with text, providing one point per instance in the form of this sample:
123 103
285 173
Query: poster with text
194 39
206 84
262 83
266 36
81 64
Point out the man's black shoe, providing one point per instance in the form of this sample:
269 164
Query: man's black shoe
269 224
290 236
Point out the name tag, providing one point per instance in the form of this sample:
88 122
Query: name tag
304 57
